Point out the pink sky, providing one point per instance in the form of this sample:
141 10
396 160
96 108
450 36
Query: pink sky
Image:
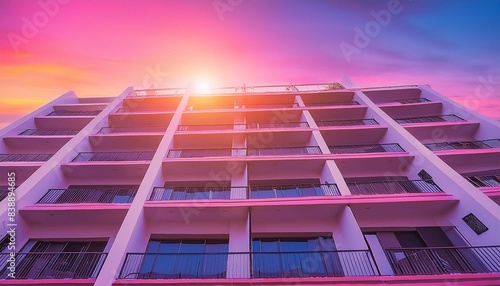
99 48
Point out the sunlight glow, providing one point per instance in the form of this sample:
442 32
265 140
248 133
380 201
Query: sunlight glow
202 86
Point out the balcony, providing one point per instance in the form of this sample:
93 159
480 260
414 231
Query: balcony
242 126
55 265
346 103
413 100
144 110
176 92
196 153
393 187
194 193
25 157
142 129
4 191
444 260
36 132
430 119
347 122
242 106
89 195
74 113
484 181
247 265
464 145
114 156
290 191
372 148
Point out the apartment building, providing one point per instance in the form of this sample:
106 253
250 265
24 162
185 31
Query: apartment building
270 185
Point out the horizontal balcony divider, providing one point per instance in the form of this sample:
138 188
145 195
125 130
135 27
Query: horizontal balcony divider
444 260
36 132
393 187
372 148
248 265
429 119
332 103
413 100
196 193
25 157
114 156
88 195
484 181
54 265
152 110
74 113
463 145
347 122
228 152
242 106
142 129
288 191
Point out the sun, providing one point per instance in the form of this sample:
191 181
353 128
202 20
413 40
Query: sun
202 86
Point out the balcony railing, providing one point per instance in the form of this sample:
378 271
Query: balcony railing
74 113
54 265
146 110
332 103
347 122
484 144
247 265
36 132
144 129
444 260
242 106
4 191
194 153
288 191
158 92
393 187
25 157
373 148
114 156
242 126
413 100
194 193
88 195
484 181
428 119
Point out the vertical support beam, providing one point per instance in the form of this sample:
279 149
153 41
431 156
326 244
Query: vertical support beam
238 265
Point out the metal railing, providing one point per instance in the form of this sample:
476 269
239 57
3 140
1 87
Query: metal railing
114 156
444 260
148 110
393 187
484 144
25 157
4 191
157 92
413 100
194 153
88 195
194 193
36 132
290 88
54 265
142 129
288 191
429 119
248 265
332 103
347 122
242 126
484 181
243 106
74 113
373 148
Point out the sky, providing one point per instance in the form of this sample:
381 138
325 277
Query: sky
101 47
